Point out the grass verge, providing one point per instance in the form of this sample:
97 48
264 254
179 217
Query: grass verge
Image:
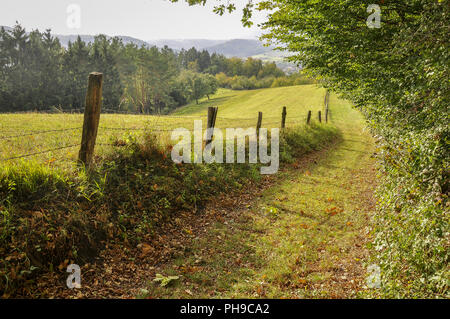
304 237
51 217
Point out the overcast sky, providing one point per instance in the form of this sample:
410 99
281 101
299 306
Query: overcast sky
143 19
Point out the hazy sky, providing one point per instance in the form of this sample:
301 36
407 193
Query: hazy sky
143 19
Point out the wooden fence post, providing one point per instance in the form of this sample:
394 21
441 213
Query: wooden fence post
326 115
258 124
215 116
91 117
320 116
211 122
283 117
308 120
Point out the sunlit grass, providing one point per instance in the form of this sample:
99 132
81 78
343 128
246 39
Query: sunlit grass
298 239
25 133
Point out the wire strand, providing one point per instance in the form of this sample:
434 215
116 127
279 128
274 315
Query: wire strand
38 153
39 132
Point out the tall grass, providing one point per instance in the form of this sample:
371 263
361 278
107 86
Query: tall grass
48 215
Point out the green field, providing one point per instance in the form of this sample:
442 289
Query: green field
29 133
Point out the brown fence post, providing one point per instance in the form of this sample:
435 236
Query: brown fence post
308 120
215 116
326 115
91 117
258 124
283 117
320 116
211 122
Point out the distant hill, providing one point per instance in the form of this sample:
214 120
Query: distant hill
279 58
244 48
186 44
241 48
238 47
64 39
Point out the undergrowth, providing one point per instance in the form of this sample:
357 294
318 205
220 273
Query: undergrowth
50 217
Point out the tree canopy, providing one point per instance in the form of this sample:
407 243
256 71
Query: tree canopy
397 75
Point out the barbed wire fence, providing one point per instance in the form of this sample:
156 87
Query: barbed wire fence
91 122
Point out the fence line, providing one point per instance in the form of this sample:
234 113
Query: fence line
156 116
38 153
99 144
103 144
47 111
39 133
92 115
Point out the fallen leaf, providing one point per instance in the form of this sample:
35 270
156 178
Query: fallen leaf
146 249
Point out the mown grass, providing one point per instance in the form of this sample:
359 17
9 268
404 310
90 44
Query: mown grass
52 213
247 104
303 238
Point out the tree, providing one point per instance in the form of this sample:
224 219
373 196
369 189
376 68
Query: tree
37 73
29 62
102 59
252 67
398 76
234 66
210 83
197 85
148 87
75 67
204 61
269 69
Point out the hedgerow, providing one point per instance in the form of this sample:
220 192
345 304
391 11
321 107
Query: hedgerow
397 74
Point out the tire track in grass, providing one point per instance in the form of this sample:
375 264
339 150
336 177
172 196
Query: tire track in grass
322 256
304 237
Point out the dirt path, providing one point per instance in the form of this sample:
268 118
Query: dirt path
304 237
300 234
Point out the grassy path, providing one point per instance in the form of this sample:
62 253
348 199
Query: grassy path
304 237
